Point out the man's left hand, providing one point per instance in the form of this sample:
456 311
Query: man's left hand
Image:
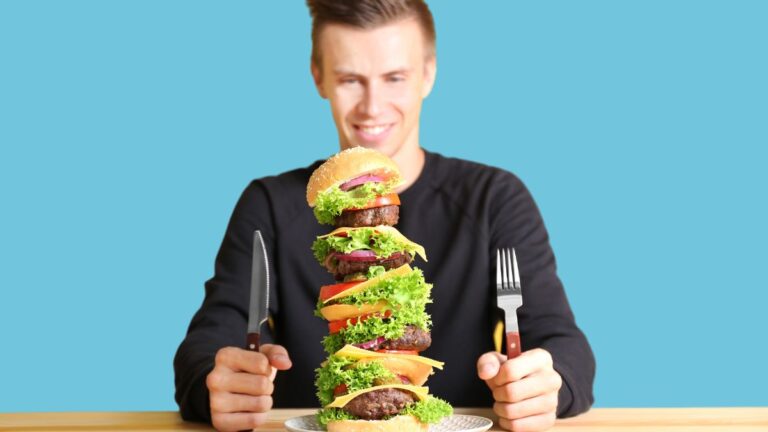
525 389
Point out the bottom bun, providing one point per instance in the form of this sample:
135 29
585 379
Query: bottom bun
401 423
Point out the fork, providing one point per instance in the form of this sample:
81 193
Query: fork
509 297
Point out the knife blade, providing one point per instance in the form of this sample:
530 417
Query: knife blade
259 304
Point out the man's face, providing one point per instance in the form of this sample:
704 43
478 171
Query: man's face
375 81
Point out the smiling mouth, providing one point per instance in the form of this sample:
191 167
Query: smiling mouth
374 130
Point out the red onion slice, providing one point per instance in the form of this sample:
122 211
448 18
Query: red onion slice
371 343
364 255
358 255
360 180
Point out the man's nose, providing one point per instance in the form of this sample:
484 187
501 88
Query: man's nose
371 103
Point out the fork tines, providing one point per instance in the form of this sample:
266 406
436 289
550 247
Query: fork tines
507 273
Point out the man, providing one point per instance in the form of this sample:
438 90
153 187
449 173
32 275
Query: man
375 62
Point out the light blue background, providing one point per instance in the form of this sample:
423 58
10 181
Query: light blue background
128 130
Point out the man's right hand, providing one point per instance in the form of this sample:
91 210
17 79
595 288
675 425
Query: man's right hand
240 386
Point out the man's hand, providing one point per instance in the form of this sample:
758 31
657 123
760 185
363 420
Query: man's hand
525 389
240 386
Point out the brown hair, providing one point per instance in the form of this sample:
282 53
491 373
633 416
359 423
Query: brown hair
367 14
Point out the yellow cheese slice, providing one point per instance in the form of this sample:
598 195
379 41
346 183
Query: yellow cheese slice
362 286
343 311
420 392
417 373
385 229
393 231
354 352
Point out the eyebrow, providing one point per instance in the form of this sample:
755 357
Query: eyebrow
342 71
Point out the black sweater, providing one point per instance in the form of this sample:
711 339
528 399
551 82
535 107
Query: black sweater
460 212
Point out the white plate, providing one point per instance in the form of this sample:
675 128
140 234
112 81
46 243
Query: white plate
454 423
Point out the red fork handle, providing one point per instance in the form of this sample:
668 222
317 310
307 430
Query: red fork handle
513 345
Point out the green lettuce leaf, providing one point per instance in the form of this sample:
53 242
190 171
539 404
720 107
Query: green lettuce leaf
357 376
327 415
429 410
406 291
321 249
390 328
381 243
375 271
406 297
332 202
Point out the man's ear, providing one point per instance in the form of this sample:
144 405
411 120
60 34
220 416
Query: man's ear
430 72
316 76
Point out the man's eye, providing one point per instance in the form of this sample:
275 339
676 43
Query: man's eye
396 78
349 81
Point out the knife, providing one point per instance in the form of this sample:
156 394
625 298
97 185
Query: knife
258 310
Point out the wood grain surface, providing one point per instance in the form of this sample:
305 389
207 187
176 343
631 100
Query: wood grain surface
599 420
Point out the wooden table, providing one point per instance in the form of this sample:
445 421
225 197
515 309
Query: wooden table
599 420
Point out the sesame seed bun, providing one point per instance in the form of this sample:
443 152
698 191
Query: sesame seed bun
347 165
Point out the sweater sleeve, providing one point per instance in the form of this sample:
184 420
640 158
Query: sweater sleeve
222 318
546 320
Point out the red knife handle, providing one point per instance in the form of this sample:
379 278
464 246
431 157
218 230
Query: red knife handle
253 342
513 345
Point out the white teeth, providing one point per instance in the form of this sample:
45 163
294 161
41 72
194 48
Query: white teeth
373 130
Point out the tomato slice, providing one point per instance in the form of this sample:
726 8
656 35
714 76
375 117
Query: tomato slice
340 389
381 201
329 291
335 326
408 352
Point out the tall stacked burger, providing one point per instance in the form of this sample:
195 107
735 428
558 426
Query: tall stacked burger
373 379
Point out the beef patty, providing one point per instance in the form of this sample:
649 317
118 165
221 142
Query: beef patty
414 339
386 215
378 404
344 268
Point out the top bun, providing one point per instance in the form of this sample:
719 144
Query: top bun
400 423
347 165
